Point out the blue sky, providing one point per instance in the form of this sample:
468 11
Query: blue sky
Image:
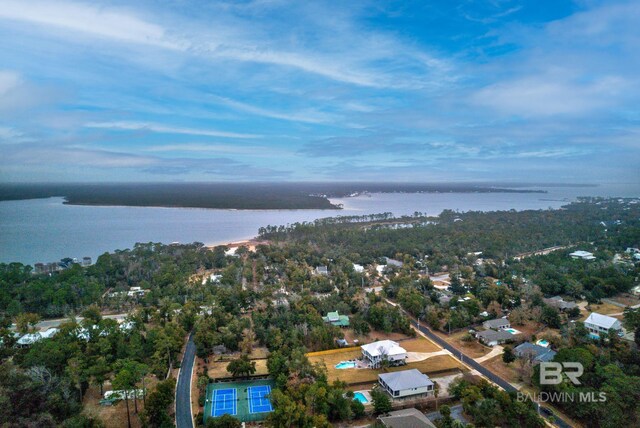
494 90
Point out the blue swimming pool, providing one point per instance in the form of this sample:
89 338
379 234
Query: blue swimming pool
346 365
359 396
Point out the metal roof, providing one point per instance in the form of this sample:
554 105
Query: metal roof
600 320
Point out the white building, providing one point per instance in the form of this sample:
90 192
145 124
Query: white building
358 268
584 255
375 352
598 323
406 383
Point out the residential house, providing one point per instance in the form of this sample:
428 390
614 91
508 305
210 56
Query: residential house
497 324
358 268
558 303
406 383
584 255
406 418
494 337
393 263
334 318
86 261
375 352
31 338
534 353
321 270
597 323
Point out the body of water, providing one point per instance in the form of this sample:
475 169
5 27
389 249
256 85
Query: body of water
45 230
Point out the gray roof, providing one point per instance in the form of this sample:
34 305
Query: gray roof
393 262
539 353
558 302
405 379
406 418
490 335
496 323
603 321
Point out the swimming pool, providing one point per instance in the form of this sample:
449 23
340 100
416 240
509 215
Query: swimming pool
511 330
543 342
359 396
346 365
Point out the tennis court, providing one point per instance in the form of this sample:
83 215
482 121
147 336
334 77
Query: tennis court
258 399
224 402
248 401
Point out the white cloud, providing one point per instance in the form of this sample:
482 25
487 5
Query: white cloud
8 81
89 19
549 95
154 127
306 116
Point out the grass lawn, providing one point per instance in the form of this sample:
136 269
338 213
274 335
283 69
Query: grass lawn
351 376
114 416
507 372
218 369
473 348
604 309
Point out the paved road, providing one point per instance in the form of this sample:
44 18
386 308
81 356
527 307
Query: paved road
184 418
481 369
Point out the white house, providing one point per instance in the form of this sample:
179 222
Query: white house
598 323
406 383
358 268
375 352
321 270
584 255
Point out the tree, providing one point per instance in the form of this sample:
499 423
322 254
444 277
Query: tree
155 414
242 366
550 317
508 356
125 380
224 421
357 409
99 372
26 322
381 401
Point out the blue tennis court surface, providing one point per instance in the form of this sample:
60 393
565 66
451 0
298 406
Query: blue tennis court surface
224 402
258 399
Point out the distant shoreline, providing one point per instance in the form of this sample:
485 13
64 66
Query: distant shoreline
231 196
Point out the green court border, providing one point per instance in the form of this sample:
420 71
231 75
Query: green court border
243 403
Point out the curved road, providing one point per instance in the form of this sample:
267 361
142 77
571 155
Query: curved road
184 417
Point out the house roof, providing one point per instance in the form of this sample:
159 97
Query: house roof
601 320
498 322
539 353
394 262
405 379
490 335
406 418
336 319
29 339
333 316
387 347
559 302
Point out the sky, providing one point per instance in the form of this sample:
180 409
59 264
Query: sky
273 90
